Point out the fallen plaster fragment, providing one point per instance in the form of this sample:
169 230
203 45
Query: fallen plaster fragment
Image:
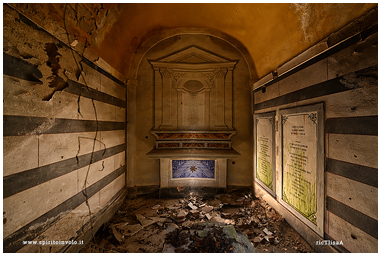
257 240
248 232
171 227
187 224
192 206
159 221
270 238
255 220
218 219
267 232
182 214
173 207
227 199
130 230
240 223
155 207
195 212
230 222
117 234
143 221
207 209
226 215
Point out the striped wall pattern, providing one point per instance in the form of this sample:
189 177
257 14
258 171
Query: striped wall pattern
52 148
345 78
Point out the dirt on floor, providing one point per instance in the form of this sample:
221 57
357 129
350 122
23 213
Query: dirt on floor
147 224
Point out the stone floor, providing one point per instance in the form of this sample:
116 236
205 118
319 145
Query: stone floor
227 223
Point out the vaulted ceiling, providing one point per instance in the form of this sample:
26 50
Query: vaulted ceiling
272 33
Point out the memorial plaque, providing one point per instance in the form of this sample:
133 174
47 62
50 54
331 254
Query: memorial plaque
299 163
303 160
264 148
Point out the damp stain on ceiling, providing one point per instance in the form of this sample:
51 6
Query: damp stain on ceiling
272 33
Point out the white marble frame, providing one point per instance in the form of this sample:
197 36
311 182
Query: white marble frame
319 109
166 180
273 162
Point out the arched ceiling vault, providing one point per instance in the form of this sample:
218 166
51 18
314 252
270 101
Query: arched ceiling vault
272 33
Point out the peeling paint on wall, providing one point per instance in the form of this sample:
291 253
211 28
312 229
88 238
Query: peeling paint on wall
56 82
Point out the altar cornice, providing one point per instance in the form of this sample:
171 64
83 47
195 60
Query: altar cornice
191 135
200 153
192 67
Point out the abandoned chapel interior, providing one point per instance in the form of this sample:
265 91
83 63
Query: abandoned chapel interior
169 127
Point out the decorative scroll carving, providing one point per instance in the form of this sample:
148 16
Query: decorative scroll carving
210 77
313 117
176 76
166 72
220 72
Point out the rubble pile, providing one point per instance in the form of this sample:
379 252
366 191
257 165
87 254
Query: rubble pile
200 239
207 237
235 223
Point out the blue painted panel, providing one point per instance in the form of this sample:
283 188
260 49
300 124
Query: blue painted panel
193 169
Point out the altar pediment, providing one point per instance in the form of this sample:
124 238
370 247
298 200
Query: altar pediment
193 59
193 55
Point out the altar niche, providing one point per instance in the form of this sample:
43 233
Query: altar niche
193 118
193 91
301 131
264 145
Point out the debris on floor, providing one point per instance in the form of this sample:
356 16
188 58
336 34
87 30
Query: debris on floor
207 237
227 223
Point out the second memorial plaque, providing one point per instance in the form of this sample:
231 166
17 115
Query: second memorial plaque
302 162
299 163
